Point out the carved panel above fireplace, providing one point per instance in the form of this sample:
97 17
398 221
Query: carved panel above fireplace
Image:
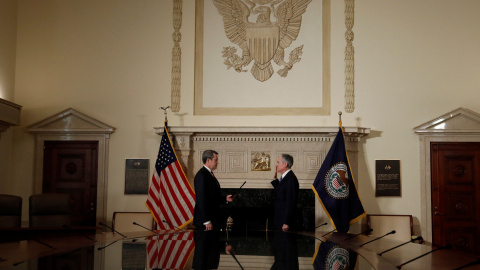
235 145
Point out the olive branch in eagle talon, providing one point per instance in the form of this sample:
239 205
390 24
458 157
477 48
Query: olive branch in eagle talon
233 60
263 40
294 58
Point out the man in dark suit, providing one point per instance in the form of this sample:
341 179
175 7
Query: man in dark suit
208 194
207 250
285 251
286 193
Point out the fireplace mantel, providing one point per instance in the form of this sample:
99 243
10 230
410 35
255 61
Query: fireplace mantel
329 131
237 145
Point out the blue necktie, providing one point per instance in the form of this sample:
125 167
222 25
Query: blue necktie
281 178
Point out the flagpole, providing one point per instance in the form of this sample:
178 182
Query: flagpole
165 109
340 118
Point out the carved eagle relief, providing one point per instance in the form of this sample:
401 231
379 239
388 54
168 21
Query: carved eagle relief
262 40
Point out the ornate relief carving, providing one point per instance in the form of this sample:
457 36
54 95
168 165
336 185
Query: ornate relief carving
183 141
261 41
176 55
236 161
349 57
261 161
313 161
254 138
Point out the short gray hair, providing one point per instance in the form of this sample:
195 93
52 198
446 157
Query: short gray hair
288 159
208 154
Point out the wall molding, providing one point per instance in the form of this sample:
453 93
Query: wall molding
349 57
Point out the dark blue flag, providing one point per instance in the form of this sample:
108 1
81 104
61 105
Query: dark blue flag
331 256
335 187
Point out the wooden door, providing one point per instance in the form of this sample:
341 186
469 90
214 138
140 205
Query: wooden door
71 167
456 195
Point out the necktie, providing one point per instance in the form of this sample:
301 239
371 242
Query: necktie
213 174
281 178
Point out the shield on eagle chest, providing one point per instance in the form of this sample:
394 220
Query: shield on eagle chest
262 42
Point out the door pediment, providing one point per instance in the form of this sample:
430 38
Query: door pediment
459 121
72 125
71 121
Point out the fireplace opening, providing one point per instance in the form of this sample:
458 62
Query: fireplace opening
253 210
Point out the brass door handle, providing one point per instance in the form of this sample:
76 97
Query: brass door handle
438 213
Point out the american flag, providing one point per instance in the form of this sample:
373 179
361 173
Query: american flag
170 251
171 199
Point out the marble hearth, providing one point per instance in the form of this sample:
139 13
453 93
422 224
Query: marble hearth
240 149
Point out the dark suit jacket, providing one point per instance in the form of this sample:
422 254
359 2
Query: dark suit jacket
286 194
209 198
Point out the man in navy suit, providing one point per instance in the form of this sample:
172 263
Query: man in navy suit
208 194
286 194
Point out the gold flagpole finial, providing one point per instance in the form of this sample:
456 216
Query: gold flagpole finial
340 118
165 112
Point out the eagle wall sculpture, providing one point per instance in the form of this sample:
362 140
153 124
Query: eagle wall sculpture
262 40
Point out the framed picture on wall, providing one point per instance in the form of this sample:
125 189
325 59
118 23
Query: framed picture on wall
262 57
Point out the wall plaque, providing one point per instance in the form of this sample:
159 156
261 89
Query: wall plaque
387 178
136 176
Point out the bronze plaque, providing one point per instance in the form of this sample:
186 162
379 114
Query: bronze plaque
387 178
136 176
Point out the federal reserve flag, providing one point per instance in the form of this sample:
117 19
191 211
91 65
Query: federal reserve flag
332 256
335 187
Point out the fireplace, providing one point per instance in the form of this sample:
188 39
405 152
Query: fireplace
240 149
254 207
